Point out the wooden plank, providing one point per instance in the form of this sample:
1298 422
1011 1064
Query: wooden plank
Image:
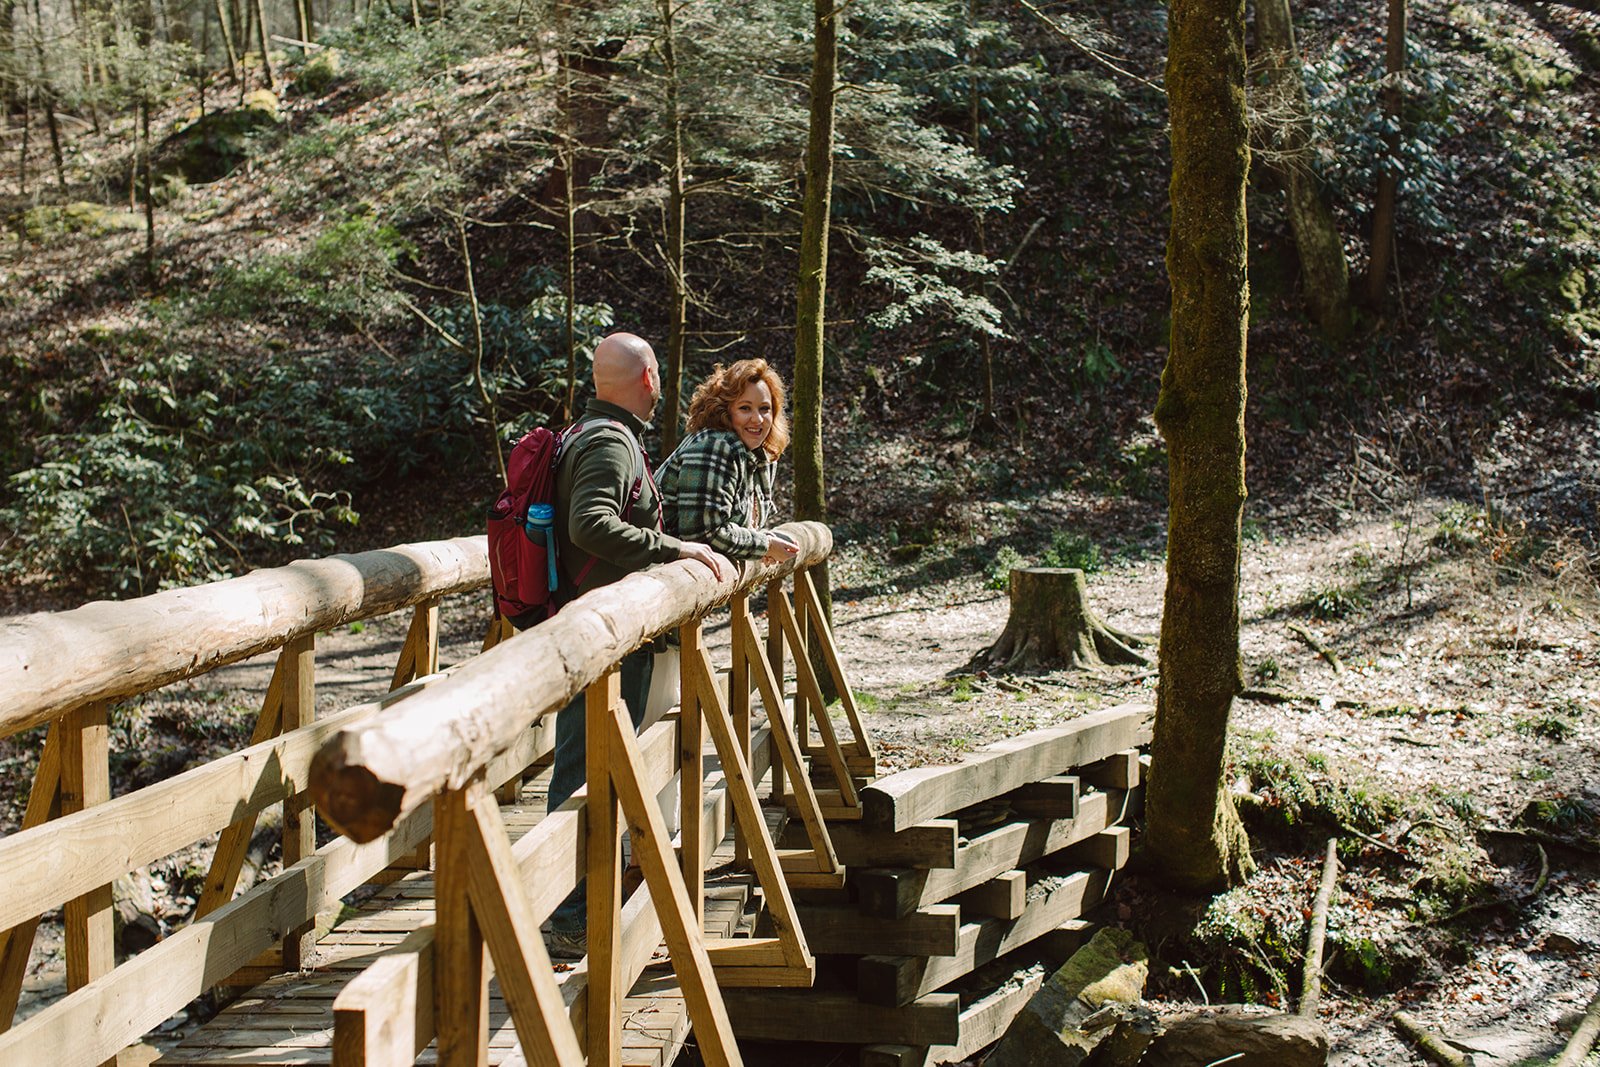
1119 770
92 1024
376 1015
511 931
806 592
679 925
747 812
810 1015
299 820
932 844
16 944
227 861
1109 848
1002 897
86 784
375 772
51 663
77 852
893 892
931 931
787 749
924 793
891 980
808 688
603 865
985 1021
1055 797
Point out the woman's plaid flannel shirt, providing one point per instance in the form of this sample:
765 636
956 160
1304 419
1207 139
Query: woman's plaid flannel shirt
717 491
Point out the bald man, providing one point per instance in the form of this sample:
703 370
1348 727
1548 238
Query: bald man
608 525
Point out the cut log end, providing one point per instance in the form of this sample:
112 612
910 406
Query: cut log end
1052 625
352 799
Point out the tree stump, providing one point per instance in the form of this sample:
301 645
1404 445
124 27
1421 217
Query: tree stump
1052 625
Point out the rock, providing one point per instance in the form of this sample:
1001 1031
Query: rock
214 145
1130 1029
1266 1040
81 216
319 74
1110 969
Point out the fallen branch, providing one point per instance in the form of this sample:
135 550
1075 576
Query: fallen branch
1430 1044
1311 981
1317 646
1583 1038
1369 839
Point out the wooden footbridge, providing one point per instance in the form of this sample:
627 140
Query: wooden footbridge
916 890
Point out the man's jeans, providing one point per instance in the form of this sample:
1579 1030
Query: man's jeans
569 769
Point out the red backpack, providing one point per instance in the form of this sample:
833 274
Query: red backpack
522 545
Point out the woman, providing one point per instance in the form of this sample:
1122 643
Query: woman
717 486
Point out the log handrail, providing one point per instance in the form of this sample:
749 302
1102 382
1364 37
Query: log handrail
51 663
369 776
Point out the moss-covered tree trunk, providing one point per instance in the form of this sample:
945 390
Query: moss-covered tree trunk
1194 835
1323 268
810 498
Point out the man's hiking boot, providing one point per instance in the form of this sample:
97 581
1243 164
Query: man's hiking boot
567 945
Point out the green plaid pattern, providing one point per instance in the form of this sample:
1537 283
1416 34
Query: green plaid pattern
717 491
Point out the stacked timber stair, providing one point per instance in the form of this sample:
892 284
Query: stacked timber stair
959 879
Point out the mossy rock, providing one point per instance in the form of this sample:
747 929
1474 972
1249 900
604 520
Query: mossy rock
1377 964
81 216
214 145
320 73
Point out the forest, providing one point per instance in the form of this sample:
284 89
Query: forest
1279 322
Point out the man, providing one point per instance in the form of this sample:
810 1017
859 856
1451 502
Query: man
603 533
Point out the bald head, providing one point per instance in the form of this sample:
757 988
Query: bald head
625 373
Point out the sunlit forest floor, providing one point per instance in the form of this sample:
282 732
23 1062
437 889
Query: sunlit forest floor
1425 498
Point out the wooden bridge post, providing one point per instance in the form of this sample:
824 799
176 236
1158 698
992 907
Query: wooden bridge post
691 767
85 782
299 818
775 660
461 977
603 855
739 705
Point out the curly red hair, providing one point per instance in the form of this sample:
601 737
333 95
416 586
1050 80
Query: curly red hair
708 409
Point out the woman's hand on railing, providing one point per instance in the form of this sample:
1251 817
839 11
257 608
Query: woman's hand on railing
779 548
703 553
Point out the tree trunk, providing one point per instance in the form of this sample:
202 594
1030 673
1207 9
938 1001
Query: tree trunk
1325 273
1052 625
810 497
149 197
987 422
672 384
1194 834
47 95
1389 177
227 40
302 10
261 37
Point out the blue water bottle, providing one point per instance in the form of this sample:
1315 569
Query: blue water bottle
541 530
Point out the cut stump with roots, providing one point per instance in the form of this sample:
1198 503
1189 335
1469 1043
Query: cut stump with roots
1052 625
